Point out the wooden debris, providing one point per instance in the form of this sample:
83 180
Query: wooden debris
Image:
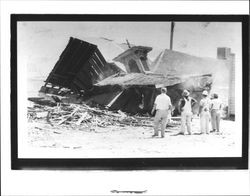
41 114
56 132
82 116
67 117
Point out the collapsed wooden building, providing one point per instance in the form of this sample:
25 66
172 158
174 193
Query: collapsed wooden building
83 75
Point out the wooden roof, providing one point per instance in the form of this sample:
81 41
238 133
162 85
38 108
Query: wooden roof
132 50
140 79
80 65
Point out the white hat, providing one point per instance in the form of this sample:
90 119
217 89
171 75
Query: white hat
205 93
185 93
163 89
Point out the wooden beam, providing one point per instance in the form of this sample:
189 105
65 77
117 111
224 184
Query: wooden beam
98 53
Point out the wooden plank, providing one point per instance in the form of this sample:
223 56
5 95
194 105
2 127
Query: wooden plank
84 55
95 71
86 85
72 62
85 78
78 83
99 61
67 117
67 60
74 87
84 115
96 65
100 56
82 85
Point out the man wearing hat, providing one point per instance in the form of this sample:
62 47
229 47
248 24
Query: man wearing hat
185 107
215 107
162 105
204 113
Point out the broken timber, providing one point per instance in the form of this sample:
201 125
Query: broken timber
80 65
83 76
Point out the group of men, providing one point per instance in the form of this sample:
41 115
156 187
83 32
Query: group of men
209 108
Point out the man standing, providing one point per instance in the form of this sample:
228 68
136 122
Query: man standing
204 113
162 105
185 107
215 107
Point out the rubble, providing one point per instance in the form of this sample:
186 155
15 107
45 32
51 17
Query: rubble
82 74
81 115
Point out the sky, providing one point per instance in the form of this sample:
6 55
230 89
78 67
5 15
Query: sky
41 43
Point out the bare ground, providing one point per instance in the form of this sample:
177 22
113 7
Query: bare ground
128 141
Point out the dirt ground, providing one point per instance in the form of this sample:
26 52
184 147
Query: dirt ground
128 141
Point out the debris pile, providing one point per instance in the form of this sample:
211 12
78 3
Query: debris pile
81 115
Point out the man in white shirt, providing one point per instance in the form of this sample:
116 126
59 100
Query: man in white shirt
215 107
204 113
162 105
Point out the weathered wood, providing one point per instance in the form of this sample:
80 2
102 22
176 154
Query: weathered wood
67 117
84 115
98 53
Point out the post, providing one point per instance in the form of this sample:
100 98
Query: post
171 35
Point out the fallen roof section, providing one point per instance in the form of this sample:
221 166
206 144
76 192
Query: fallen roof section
80 65
140 79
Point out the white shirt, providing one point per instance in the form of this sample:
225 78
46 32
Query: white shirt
162 102
215 104
205 104
187 107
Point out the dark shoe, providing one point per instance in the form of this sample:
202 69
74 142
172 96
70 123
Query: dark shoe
154 135
180 133
162 136
213 130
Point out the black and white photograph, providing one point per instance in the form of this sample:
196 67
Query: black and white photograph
123 88
124 97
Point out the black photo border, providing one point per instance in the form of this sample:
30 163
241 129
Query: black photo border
130 163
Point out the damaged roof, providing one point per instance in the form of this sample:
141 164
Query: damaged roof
80 65
134 49
174 62
140 79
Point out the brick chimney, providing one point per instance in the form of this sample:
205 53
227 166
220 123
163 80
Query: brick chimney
223 53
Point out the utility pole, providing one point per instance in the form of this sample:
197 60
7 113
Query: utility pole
172 35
